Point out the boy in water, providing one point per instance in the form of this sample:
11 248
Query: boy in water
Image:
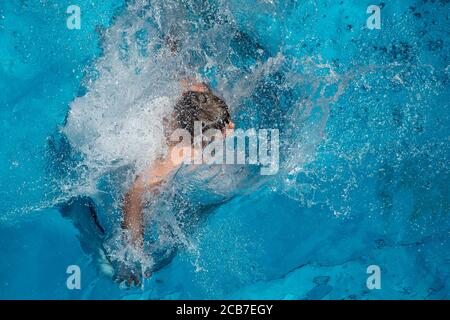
197 104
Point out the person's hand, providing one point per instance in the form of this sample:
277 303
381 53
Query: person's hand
127 276
130 262
131 276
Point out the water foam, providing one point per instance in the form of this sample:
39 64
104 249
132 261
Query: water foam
147 51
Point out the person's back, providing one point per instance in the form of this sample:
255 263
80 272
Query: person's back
198 106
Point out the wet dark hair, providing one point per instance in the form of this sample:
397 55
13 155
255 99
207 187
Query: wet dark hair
204 107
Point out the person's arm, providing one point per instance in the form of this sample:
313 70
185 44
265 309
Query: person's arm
135 198
194 85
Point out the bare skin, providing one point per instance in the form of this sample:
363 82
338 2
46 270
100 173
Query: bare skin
154 176
134 203
191 85
134 200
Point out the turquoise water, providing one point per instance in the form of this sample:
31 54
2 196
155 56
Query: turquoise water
363 120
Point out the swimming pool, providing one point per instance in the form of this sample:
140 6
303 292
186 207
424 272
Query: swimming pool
364 154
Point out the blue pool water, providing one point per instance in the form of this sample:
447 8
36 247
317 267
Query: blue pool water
364 156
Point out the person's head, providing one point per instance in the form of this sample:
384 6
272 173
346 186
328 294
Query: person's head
202 106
